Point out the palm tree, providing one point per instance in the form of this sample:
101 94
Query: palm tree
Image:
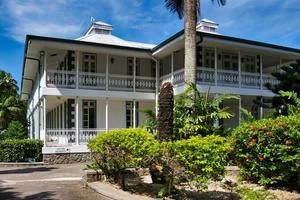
9 109
8 86
190 10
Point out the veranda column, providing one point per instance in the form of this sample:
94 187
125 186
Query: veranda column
240 69
106 73
45 68
77 69
172 68
134 73
261 72
261 109
156 87
106 114
77 120
134 113
45 121
216 66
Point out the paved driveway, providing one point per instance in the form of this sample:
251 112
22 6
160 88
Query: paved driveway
61 182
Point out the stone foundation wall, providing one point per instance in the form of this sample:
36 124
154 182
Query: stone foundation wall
66 158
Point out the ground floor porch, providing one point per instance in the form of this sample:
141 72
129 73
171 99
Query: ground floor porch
65 124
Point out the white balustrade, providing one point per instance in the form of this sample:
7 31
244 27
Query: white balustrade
178 77
268 78
59 78
205 75
120 82
86 134
92 80
145 84
250 80
228 78
60 137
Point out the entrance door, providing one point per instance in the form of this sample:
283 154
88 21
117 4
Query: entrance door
89 114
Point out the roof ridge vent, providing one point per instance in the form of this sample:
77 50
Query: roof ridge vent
207 25
99 27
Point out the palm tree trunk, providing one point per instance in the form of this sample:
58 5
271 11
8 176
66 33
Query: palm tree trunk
190 20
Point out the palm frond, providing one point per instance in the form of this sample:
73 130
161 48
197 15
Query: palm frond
221 98
220 2
175 6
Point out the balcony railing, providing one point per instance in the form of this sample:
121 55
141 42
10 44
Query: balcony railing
59 78
68 137
86 134
207 76
91 80
97 81
60 137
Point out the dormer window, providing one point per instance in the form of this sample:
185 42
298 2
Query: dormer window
99 28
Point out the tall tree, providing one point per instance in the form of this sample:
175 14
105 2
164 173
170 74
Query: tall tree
11 106
190 10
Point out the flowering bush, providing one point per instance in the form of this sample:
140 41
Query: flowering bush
268 150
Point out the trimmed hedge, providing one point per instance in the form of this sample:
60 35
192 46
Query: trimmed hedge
20 150
268 150
120 149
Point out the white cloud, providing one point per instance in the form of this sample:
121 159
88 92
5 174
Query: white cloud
30 17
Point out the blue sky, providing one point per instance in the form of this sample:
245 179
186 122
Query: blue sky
273 21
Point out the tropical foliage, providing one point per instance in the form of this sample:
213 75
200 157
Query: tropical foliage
289 79
195 160
11 106
268 150
196 114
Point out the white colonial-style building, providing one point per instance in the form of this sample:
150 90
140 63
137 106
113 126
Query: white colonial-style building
79 88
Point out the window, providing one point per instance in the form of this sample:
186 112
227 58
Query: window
248 64
230 61
129 114
89 113
89 63
209 58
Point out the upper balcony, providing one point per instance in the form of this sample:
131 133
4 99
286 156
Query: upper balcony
224 68
91 71
227 78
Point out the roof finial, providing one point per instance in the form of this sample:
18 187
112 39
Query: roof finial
92 19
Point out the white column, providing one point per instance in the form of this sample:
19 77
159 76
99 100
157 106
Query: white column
134 113
240 106
77 120
77 69
157 87
216 66
240 69
63 115
45 120
134 73
106 72
261 71
106 114
261 109
59 116
172 67
45 68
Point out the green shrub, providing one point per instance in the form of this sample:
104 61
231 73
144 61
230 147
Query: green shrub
15 130
119 149
20 150
268 150
195 160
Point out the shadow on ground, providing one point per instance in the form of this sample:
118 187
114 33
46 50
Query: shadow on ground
27 170
153 189
9 194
